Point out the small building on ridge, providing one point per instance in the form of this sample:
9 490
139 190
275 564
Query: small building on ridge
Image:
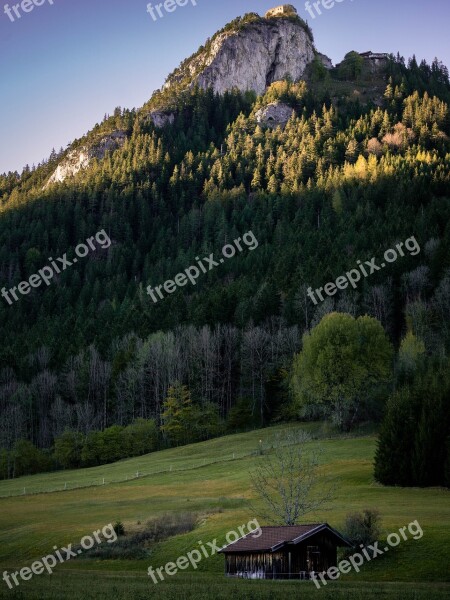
283 10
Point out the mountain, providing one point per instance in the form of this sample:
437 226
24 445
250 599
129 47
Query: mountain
249 54
325 169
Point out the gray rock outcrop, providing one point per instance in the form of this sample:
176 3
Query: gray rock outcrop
160 118
274 114
252 58
325 60
80 158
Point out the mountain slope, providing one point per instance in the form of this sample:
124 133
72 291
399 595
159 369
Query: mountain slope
249 56
342 181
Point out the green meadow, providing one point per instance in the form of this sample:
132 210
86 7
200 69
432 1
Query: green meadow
212 480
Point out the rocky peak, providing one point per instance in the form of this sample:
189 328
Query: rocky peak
250 55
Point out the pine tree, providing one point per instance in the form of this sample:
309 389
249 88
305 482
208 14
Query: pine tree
177 414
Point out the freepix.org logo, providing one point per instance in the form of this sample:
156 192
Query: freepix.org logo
49 562
358 558
192 273
352 277
169 6
17 10
46 274
195 556
326 4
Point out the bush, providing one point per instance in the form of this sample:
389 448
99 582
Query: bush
351 67
4 463
140 544
240 417
68 447
363 528
29 460
169 525
141 437
318 70
119 528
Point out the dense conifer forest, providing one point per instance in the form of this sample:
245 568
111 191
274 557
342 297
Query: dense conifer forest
90 361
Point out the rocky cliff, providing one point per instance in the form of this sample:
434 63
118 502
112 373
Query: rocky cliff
80 158
250 57
248 54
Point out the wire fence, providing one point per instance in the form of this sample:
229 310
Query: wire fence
104 480
101 481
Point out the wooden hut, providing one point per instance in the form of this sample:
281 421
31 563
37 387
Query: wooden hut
289 552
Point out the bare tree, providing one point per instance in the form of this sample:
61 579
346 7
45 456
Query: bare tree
227 378
324 308
256 356
40 359
378 302
62 416
416 283
441 304
99 380
288 480
304 305
87 419
43 389
348 303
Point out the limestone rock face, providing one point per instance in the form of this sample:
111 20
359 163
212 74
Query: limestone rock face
160 118
374 65
325 60
274 114
252 58
79 159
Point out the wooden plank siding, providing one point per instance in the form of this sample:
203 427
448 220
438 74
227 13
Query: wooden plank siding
317 553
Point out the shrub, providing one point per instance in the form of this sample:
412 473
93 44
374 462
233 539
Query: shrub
363 528
119 528
141 437
68 447
139 545
29 460
169 525
351 67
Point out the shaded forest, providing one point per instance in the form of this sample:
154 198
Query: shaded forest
342 181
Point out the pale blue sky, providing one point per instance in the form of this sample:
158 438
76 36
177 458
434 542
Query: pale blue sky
63 66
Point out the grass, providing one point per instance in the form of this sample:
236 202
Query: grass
219 491
123 586
194 456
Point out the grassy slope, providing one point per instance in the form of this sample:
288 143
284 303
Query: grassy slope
31 525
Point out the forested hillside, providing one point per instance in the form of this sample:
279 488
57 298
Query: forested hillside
343 181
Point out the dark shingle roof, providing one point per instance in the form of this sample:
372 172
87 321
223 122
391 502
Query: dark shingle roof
273 538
